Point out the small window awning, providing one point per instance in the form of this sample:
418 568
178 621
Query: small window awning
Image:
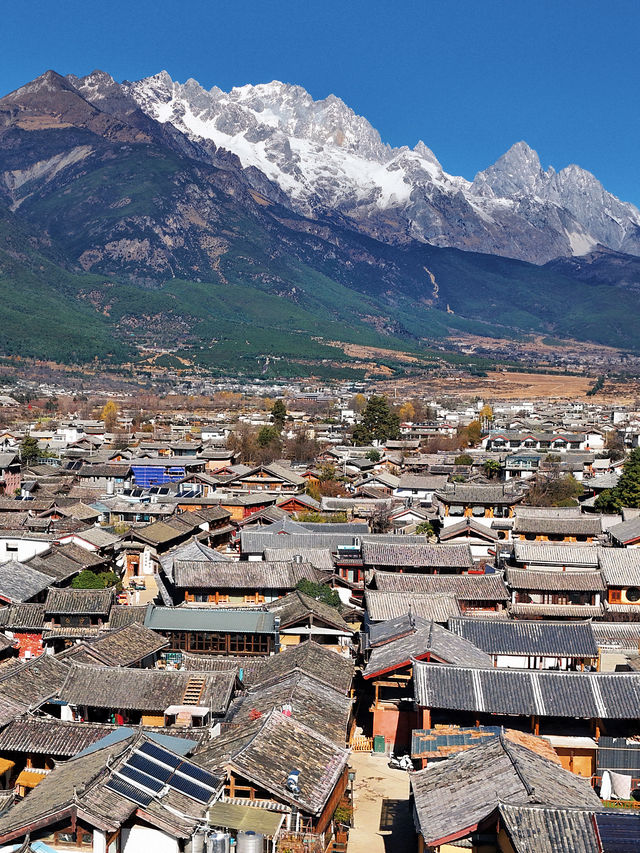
5 765
31 778
232 816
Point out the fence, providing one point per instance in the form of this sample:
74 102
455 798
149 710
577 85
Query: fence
361 743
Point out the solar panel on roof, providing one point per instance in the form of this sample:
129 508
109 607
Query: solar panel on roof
619 832
151 768
190 788
129 792
143 779
159 754
198 774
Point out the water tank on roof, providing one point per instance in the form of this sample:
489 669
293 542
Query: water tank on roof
219 842
249 842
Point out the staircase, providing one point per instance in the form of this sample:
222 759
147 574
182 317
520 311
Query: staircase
193 691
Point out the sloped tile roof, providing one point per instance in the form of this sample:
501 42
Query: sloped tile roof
454 796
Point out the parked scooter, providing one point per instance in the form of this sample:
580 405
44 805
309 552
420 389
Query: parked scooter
400 762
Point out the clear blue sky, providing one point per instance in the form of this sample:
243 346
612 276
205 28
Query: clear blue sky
469 77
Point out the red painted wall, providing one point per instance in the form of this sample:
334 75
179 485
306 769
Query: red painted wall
396 726
29 642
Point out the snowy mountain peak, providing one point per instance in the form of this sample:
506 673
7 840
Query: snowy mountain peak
517 171
321 157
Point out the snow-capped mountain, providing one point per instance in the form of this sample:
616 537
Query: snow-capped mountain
322 159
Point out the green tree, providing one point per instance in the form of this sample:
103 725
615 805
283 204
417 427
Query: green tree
492 469
268 435
374 456
378 423
29 450
425 528
95 580
278 414
463 459
319 591
87 580
627 491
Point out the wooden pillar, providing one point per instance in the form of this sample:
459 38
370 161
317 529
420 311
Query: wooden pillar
426 718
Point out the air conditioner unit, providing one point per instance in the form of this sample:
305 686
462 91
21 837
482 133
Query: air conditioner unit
631 596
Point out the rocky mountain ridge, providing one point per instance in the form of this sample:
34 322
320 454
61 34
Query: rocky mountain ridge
121 234
326 160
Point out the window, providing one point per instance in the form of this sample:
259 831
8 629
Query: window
249 644
68 837
615 596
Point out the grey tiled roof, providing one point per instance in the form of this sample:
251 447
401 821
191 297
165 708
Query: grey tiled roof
19 582
527 693
382 606
454 796
544 829
557 611
79 601
573 639
51 737
556 555
626 531
537 579
540 829
325 710
464 587
320 558
586 525
254 574
441 644
620 566
266 751
407 554
149 690
470 493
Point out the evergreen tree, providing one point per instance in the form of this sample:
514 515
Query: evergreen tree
378 423
627 491
278 414
29 450
268 435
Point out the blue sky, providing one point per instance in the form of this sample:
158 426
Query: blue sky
469 77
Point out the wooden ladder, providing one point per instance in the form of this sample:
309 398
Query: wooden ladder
193 691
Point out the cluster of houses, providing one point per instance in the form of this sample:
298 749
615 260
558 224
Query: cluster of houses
192 649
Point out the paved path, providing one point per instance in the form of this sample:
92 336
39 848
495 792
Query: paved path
383 822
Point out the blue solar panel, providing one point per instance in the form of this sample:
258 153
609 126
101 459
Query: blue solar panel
141 779
152 768
619 831
129 792
191 789
197 773
160 754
